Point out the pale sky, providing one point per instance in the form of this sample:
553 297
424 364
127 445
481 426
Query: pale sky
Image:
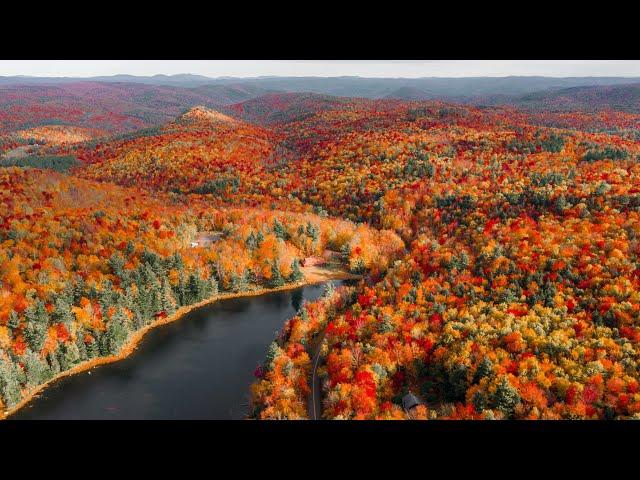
323 68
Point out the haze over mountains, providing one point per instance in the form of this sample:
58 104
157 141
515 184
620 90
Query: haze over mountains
125 103
402 88
112 107
614 97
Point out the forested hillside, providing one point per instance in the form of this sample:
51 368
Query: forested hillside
497 245
111 107
518 297
588 98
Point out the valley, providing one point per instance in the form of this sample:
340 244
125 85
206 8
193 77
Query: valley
491 246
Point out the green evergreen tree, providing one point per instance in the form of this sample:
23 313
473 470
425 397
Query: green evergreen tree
313 231
35 334
505 398
272 352
37 313
129 301
180 291
251 241
168 302
485 368
245 280
155 300
79 289
14 320
296 273
479 401
276 279
117 333
149 296
66 294
152 260
456 382
303 314
9 383
130 249
234 283
62 361
54 364
194 288
213 286
386 325
93 348
81 347
106 297
177 262
36 370
116 263
278 230
239 283
68 355
62 311
102 339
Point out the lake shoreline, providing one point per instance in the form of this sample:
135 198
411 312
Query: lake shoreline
313 276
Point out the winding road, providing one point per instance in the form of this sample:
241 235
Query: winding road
315 404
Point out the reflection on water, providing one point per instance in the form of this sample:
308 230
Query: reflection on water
296 299
199 367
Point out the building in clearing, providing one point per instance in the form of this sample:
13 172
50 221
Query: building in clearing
409 401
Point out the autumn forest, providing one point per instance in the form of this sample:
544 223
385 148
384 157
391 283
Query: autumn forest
492 248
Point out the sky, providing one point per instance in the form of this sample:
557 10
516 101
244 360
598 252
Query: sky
323 68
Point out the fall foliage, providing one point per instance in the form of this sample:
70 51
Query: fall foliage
498 248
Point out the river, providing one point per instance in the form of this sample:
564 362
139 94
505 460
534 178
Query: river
199 367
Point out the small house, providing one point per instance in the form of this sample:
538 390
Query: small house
409 401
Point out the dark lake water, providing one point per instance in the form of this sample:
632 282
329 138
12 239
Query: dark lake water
199 367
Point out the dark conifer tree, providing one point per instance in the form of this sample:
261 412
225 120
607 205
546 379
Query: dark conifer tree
9 383
14 320
276 279
296 273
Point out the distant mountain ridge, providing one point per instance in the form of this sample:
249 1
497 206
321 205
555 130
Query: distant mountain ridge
283 107
401 88
121 107
625 98
115 107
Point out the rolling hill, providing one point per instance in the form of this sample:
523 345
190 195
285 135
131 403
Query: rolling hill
513 294
203 150
411 93
283 107
623 98
112 107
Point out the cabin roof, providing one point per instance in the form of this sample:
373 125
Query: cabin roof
409 401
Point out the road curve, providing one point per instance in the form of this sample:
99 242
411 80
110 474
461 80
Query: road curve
315 401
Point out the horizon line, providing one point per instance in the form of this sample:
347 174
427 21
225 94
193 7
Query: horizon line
311 76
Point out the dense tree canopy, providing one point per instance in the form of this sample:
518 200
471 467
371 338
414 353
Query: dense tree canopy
83 265
498 248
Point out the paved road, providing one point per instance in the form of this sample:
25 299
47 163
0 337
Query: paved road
315 403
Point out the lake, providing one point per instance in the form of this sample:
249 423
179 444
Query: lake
199 367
